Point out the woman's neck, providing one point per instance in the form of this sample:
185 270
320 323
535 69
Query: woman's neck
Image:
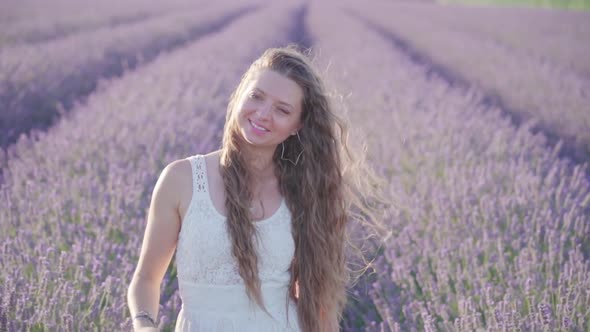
260 163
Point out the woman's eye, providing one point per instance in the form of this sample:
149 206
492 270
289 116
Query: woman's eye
254 96
283 110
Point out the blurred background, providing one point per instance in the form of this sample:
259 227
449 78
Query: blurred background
475 112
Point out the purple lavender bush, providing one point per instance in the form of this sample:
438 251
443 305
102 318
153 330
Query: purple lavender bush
552 36
74 201
41 81
489 230
34 21
527 85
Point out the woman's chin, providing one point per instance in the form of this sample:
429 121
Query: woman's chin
254 140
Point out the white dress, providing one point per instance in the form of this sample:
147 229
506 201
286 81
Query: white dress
213 293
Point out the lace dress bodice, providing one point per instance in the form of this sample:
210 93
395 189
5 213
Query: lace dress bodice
213 293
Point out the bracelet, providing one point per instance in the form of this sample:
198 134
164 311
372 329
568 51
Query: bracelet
146 315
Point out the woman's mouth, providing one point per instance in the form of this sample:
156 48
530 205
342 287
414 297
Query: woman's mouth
258 128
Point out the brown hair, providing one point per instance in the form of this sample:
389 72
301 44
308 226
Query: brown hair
328 187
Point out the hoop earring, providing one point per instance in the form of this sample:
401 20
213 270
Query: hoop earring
299 155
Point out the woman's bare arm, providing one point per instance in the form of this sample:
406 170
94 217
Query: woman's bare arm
159 241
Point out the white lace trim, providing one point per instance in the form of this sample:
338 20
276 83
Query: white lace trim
200 178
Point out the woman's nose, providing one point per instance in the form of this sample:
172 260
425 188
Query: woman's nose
264 110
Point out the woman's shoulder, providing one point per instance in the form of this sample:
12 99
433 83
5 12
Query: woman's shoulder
211 156
208 156
179 174
177 177
211 161
182 166
180 170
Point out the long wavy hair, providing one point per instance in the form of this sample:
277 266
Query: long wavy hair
328 187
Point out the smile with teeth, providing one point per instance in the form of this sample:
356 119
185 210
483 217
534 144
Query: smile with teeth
258 127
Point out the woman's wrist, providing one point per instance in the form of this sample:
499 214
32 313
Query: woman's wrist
144 319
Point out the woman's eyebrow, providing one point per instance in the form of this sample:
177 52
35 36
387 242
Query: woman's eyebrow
280 101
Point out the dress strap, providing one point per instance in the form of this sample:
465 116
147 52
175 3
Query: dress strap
199 175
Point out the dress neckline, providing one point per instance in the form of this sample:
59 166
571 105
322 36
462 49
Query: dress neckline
212 206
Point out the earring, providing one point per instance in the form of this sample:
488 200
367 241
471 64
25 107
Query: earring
299 155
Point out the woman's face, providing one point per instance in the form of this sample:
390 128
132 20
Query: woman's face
269 109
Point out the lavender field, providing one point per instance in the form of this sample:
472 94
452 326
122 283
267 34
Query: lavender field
489 224
528 74
32 21
38 82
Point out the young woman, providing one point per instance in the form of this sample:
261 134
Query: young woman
259 226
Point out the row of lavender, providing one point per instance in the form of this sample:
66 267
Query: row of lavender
31 21
437 144
556 36
74 204
517 71
489 230
40 81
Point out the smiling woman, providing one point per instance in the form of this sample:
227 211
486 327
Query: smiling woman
260 235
